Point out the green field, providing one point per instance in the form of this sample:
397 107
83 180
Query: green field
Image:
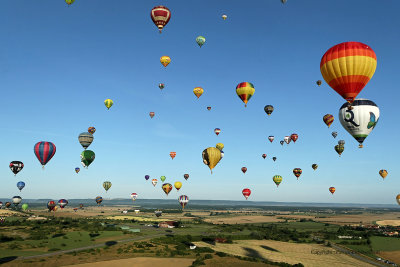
383 243
63 242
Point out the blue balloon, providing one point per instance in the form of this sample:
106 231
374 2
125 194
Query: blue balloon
20 185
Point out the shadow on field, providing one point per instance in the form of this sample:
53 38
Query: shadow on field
111 243
269 248
253 253
7 259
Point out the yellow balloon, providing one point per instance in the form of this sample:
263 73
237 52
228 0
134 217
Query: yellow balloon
220 146
178 185
224 17
383 173
245 91
198 91
165 60
108 103
211 157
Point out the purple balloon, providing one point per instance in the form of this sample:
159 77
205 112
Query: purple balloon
147 177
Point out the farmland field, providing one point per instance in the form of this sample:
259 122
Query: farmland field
287 252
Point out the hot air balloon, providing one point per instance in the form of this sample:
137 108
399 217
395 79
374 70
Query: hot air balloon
244 169
165 60
91 130
220 146
319 82
328 119
51 205
162 178
44 151
332 190
108 102
161 86
87 157
20 185
24 206
334 134
69 2
151 114
158 213
274 158
77 169
16 166
183 200
198 91
85 139
287 139
283 1
268 109
277 179
341 142
245 91
16 200
209 108
147 177
75 209
172 155
398 199
264 156
99 200
134 196
8 204
383 173
271 138
294 137
2 220
160 15
314 166
154 182
246 193
81 206
297 172
348 67
339 149
222 155
186 176
62 203
360 120
1 204
107 185
137 211
282 142
200 40
211 157
224 17
178 185
217 131
167 188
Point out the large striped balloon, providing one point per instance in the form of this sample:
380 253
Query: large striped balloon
348 67
245 91
160 15
44 151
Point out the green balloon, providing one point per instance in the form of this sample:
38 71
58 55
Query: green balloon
163 178
87 157
24 207
200 40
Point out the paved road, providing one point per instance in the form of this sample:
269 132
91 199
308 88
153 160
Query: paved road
90 247
358 256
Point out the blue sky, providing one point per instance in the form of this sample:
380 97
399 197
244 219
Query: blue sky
58 64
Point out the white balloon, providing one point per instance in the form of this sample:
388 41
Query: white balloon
361 119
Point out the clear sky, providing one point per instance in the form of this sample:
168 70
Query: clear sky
58 64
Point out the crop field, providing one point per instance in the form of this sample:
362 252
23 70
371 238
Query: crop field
287 252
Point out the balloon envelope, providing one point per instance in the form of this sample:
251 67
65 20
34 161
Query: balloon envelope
85 139
44 151
160 15
246 193
16 166
360 120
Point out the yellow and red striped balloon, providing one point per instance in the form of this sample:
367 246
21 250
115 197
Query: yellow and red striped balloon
348 67
245 91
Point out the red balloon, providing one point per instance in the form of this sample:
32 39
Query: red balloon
246 192
160 15
294 137
264 155
244 169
